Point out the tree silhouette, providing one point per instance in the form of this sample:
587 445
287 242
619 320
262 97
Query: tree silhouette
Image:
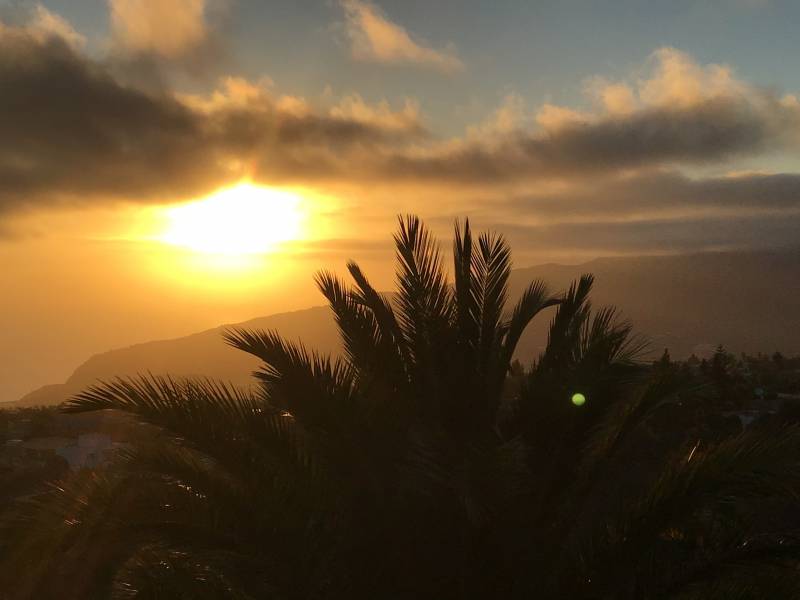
403 470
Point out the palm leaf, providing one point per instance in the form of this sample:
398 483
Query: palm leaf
565 328
753 465
466 306
534 299
234 427
315 390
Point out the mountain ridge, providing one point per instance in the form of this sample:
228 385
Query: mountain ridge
689 303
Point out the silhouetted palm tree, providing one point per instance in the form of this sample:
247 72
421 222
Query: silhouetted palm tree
404 470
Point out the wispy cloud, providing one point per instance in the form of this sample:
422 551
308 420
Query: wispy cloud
152 39
169 28
46 23
374 38
42 24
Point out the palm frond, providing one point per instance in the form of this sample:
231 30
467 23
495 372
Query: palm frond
361 335
534 299
425 313
235 427
159 571
565 328
393 357
633 409
466 306
80 514
423 293
318 392
606 340
382 312
755 464
491 268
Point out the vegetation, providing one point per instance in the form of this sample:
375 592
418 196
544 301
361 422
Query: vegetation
416 467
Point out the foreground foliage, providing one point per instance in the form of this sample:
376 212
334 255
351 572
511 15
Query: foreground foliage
413 468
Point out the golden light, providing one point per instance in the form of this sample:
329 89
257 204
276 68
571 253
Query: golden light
241 220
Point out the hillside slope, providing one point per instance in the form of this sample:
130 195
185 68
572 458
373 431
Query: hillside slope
749 302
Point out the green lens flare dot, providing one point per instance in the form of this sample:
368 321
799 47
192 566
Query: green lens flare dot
578 399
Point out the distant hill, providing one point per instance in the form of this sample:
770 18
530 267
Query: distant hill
201 354
748 301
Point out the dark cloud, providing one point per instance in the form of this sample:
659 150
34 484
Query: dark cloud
665 192
657 236
651 213
709 131
69 130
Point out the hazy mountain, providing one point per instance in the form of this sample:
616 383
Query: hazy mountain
746 301
201 354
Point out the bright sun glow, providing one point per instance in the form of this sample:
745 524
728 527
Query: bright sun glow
241 220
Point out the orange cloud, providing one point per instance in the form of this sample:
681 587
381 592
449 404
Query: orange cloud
673 80
353 107
552 117
168 28
374 38
678 80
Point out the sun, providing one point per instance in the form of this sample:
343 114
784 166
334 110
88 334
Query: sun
241 220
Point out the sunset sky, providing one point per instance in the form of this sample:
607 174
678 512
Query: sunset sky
170 165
